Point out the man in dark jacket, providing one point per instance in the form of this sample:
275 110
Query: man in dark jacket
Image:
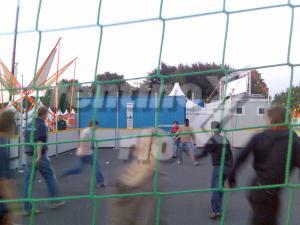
270 151
214 147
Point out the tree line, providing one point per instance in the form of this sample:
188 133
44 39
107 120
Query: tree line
202 81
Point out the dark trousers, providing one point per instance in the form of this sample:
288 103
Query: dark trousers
265 207
5 218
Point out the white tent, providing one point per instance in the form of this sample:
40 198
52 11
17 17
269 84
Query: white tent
176 91
65 113
190 105
59 113
73 112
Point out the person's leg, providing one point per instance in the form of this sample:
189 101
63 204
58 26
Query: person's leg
76 170
27 176
181 148
216 195
259 216
47 172
265 209
191 152
275 204
99 175
175 148
6 217
226 171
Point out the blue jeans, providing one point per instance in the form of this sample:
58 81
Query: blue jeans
45 168
217 196
183 146
176 147
81 162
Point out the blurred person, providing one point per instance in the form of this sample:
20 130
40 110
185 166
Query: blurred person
85 156
175 137
42 162
136 177
214 147
269 149
7 184
61 123
187 142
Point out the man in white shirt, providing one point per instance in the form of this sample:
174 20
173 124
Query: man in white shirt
85 155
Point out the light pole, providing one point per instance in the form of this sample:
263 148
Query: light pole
15 43
117 122
21 148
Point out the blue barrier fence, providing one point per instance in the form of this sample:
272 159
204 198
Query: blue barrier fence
143 111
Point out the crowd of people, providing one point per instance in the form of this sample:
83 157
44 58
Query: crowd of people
269 149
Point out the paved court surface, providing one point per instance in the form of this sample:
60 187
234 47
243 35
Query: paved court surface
191 209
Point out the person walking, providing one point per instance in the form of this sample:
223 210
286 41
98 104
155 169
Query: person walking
85 156
214 147
137 176
41 163
270 151
187 142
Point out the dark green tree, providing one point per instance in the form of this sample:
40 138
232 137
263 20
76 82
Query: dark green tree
258 84
282 97
64 95
111 89
203 85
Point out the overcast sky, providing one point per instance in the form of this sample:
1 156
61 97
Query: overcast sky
255 38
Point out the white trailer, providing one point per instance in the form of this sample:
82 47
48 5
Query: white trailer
240 111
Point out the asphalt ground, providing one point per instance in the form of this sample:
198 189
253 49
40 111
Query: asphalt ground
183 209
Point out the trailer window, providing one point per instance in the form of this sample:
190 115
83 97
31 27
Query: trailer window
239 111
261 111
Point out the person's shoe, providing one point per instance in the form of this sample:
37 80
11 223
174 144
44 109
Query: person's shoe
196 163
28 213
102 185
179 162
215 216
56 204
174 156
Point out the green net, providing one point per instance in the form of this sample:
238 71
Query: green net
156 193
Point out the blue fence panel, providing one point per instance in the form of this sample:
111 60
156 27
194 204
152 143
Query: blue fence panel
106 111
172 108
